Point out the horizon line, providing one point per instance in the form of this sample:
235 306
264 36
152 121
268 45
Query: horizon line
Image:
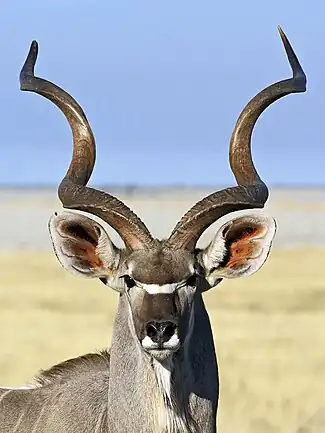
134 187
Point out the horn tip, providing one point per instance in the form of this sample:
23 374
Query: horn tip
280 30
283 36
34 49
27 70
298 72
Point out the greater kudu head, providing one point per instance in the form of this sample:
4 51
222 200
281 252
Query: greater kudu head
161 279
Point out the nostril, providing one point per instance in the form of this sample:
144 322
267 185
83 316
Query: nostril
160 332
151 330
168 330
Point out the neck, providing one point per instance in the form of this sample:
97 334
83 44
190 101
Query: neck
157 396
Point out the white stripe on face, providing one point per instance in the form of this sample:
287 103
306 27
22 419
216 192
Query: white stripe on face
155 289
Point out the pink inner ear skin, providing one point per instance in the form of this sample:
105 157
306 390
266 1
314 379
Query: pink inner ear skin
240 231
239 253
86 252
241 249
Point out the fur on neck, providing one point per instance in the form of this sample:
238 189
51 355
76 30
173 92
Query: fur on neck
172 415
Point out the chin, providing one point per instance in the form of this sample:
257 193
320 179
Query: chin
161 354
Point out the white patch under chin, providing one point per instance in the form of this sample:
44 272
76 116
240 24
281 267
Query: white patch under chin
155 289
163 374
169 420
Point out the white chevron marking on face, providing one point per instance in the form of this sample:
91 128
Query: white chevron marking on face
155 289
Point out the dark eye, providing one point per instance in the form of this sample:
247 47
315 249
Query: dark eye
129 281
192 280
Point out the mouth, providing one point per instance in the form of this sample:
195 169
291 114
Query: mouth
161 350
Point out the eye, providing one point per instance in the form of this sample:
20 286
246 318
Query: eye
129 281
192 280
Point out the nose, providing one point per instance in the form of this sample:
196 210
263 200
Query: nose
160 332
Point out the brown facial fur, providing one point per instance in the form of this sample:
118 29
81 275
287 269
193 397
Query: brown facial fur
159 307
160 266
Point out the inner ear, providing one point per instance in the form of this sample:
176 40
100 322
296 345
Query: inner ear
240 241
83 247
240 247
85 232
237 230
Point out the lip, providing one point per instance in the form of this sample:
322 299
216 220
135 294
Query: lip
163 350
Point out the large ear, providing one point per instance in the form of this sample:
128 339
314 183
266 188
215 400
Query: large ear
240 247
82 246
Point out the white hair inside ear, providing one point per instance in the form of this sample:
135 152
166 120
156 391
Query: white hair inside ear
240 247
83 247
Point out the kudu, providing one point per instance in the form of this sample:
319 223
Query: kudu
161 373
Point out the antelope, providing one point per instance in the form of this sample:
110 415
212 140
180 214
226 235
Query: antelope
160 374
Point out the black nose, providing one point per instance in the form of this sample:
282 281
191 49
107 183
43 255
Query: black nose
160 332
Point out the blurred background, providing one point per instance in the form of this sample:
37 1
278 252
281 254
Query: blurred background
162 84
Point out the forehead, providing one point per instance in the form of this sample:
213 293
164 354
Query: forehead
160 266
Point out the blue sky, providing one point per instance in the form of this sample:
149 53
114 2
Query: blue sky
162 83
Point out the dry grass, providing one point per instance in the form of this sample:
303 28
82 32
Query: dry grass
269 332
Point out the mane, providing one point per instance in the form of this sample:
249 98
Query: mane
64 371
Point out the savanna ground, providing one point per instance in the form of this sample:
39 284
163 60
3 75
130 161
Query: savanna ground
269 329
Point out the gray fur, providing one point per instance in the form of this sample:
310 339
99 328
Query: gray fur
132 388
160 265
